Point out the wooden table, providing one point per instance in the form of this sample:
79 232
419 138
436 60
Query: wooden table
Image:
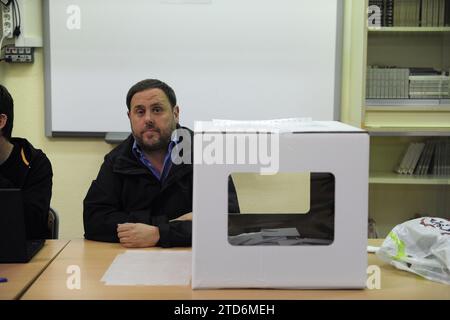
21 275
94 258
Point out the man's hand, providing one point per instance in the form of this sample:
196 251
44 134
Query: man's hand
137 235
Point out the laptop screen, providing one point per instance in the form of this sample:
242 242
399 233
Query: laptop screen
14 246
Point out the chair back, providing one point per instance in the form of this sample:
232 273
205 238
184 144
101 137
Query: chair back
53 224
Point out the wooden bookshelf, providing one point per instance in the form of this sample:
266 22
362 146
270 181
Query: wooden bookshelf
409 131
395 178
409 29
406 108
393 125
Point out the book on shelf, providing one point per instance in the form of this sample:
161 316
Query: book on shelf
428 157
437 160
441 13
447 13
385 82
410 159
389 13
431 13
441 166
380 5
413 13
431 157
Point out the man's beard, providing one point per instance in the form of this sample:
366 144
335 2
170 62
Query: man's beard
161 144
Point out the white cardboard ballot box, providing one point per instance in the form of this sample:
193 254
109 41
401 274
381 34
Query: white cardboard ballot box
296 146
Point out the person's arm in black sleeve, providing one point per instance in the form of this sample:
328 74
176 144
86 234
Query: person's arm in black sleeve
176 233
37 192
103 210
5 183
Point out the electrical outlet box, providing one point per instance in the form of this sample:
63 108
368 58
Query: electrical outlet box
7 21
19 54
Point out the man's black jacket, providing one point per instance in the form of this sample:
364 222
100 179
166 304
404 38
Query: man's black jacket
29 169
126 191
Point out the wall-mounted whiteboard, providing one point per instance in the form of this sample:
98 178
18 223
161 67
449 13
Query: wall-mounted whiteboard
225 59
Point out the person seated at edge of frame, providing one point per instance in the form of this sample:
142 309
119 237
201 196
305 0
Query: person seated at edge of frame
141 197
26 168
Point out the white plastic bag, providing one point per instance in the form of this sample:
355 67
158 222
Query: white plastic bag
421 246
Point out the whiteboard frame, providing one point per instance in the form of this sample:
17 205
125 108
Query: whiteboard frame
120 136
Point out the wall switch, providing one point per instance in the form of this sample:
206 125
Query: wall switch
19 54
7 21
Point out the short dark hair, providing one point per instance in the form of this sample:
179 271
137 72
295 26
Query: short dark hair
151 84
7 108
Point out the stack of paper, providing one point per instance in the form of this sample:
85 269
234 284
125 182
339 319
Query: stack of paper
279 237
151 268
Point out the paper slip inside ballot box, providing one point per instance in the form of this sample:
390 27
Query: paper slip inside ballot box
266 237
150 268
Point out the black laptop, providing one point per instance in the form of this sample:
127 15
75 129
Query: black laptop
14 245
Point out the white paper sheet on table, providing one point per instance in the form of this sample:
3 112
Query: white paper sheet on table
164 268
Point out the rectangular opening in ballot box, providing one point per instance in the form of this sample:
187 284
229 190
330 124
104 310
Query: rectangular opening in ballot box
280 205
